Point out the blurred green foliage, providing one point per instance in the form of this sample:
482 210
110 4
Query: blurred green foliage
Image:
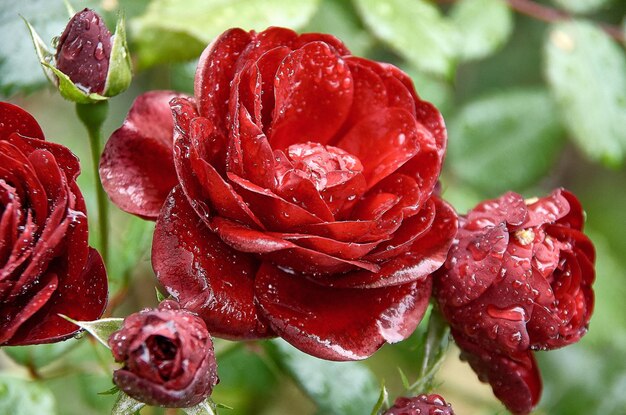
531 105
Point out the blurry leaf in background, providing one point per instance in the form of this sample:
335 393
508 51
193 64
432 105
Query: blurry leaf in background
507 140
39 355
176 30
431 89
339 18
338 388
415 30
245 381
21 72
23 397
586 71
582 6
485 26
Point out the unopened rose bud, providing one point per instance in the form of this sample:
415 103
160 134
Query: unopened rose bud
84 50
421 405
167 355
89 64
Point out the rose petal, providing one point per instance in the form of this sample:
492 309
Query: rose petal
16 120
81 297
275 212
508 208
137 168
284 253
203 273
547 210
313 91
383 142
424 256
338 324
212 81
515 380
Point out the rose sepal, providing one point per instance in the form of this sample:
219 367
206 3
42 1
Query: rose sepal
100 329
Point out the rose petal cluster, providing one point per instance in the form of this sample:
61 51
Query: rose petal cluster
294 192
518 278
46 265
420 405
167 356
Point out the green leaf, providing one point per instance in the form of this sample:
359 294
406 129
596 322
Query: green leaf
174 30
125 405
382 399
341 388
586 71
159 295
485 25
416 30
582 6
22 397
504 141
403 378
100 329
120 68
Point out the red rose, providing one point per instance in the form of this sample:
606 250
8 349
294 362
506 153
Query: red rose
518 279
84 51
303 198
46 265
168 357
420 405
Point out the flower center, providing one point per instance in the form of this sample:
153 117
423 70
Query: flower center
324 166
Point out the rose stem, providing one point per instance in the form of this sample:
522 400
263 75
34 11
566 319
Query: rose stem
93 116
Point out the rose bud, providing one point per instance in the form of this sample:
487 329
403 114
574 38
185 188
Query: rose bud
89 64
84 51
46 265
299 200
167 355
420 405
518 278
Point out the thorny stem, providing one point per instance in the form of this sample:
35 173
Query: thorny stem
92 116
549 14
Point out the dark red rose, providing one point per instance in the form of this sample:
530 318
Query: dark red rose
46 265
84 50
518 278
420 405
168 357
302 201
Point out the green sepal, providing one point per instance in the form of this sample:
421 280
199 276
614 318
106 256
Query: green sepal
120 68
43 53
206 407
382 399
70 91
100 329
125 405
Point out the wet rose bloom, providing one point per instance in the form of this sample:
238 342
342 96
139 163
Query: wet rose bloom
84 50
46 266
518 278
299 199
167 355
420 405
